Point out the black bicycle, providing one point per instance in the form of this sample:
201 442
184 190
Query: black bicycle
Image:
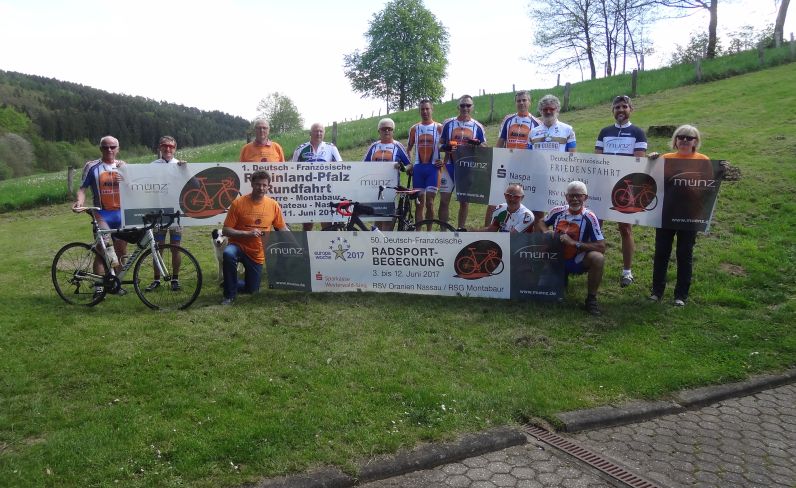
402 219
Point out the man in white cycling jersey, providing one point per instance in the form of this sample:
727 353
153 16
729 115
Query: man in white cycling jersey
316 150
511 216
552 134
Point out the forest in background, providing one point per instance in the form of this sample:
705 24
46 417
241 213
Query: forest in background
48 124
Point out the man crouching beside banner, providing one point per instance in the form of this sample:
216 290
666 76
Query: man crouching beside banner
579 231
248 219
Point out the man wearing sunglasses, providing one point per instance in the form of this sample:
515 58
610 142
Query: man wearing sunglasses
578 230
102 176
463 129
511 216
623 139
167 146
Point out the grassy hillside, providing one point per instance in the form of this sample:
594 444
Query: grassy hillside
283 381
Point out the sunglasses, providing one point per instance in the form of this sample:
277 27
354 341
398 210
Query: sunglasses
622 98
686 138
108 148
511 195
168 146
386 128
465 105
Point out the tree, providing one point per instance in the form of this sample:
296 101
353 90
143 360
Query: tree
406 57
567 33
280 112
779 24
579 32
711 6
695 49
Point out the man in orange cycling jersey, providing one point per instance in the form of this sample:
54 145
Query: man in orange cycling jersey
262 149
425 137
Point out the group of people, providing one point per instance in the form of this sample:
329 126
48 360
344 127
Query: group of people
434 146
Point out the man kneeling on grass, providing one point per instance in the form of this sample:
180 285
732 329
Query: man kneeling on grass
248 219
578 229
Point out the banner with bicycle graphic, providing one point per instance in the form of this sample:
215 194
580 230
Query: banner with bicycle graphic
478 264
204 191
671 194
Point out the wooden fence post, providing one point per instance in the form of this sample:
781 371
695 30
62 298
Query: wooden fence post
334 132
634 83
513 88
761 54
558 80
792 48
70 176
491 107
567 88
698 69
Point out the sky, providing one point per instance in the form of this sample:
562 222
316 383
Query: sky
228 55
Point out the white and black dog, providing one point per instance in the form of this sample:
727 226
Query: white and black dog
220 242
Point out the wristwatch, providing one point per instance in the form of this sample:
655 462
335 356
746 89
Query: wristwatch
577 245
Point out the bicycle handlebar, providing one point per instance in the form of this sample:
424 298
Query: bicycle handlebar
344 208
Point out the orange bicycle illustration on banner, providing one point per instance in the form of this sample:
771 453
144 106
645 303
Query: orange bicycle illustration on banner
478 260
210 193
636 192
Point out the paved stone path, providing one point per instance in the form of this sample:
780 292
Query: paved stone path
744 442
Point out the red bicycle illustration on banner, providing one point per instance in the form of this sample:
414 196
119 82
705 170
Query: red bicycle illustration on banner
472 264
635 193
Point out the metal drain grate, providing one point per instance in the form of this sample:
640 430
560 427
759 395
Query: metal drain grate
617 472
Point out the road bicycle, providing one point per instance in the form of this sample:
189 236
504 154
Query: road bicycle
402 219
488 263
636 196
83 273
199 199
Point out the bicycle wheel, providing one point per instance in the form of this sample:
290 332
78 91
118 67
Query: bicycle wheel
336 226
436 226
493 266
650 199
226 197
171 294
622 198
195 201
73 275
466 265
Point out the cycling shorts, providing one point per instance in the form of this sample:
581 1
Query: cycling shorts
446 182
573 267
175 231
112 218
425 177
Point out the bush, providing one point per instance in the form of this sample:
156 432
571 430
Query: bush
17 153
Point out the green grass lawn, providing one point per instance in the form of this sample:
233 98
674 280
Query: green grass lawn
118 395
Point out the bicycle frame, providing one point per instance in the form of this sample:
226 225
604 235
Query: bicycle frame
146 242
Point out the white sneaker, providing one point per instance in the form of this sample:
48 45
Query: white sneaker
679 303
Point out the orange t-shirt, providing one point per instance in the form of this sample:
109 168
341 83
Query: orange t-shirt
271 153
245 214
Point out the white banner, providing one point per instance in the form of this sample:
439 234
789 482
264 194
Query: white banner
204 191
621 188
434 263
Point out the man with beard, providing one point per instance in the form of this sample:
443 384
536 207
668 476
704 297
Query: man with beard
248 219
623 139
552 134
579 231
